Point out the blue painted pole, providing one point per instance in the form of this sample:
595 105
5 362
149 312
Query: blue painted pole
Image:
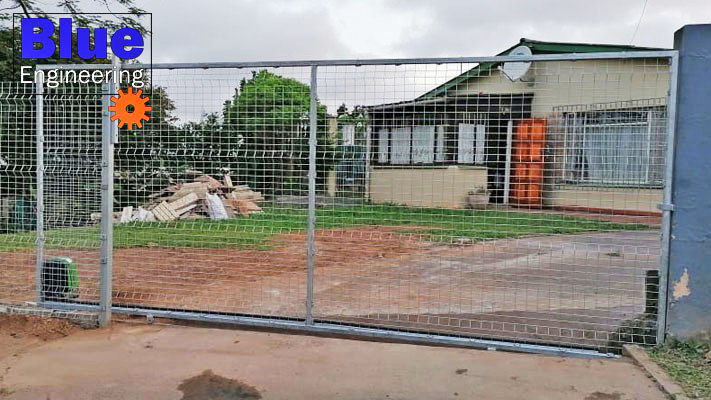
689 289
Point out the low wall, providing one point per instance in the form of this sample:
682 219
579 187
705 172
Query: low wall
626 199
442 187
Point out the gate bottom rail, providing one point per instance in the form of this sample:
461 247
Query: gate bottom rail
325 327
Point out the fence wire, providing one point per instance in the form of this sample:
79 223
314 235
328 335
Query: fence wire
450 199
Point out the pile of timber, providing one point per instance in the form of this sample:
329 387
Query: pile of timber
205 197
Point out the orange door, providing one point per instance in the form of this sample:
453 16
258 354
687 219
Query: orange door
527 176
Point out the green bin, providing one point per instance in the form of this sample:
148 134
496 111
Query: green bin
60 279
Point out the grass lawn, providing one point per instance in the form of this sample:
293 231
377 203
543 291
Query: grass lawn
258 231
685 363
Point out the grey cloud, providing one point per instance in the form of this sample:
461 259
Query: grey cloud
482 28
240 30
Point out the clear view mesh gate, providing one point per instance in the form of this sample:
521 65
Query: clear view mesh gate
506 202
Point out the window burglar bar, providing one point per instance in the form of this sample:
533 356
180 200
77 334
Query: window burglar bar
615 146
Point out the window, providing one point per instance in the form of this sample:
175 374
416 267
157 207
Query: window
400 145
423 140
617 147
440 155
349 134
472 139
383 137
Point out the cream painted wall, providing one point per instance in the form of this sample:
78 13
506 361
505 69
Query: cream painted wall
445 187
629 199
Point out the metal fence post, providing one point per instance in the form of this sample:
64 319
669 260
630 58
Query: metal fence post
108 129
311 220
368 143
39 130
667 201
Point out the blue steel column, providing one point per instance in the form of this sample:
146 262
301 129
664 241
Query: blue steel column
689 289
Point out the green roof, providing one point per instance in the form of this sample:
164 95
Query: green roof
537 47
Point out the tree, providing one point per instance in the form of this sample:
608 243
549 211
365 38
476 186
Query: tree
127 15
30 9
267 124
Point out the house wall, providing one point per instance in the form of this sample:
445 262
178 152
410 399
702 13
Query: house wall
445 187
566 83
628 199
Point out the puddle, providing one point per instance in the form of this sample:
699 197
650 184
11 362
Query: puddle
208 386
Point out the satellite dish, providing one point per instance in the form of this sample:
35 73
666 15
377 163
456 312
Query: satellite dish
517 70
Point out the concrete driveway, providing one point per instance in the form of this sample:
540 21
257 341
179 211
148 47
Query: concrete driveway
137 361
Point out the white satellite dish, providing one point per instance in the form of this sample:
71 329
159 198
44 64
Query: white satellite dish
517 70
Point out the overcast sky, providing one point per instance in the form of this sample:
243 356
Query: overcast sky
248 30
252 30
243 30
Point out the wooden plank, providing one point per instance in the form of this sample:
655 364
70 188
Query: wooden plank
228 181
212 183
192 185
184 201
241 188
199 188
164 213
182 211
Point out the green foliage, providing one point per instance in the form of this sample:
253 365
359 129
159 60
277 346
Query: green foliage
124 16
686 363
267 124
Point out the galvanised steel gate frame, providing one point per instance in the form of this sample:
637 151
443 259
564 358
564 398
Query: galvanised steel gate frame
310 323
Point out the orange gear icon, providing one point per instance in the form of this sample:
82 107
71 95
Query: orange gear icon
126 117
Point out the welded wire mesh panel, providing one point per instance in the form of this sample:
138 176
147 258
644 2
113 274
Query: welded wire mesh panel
72 122
211 194
473 204
17 193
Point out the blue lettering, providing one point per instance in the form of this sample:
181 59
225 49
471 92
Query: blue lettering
43 37
84 43
127 37
126 43
65 38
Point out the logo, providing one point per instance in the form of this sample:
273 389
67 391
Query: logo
129 108
126 43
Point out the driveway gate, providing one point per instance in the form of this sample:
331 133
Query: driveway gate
509 202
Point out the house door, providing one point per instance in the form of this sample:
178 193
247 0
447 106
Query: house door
527 182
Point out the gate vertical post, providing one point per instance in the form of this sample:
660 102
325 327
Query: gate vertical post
311 219
39 164
666 207
108 132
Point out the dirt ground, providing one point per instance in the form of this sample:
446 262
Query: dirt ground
139 361
564 289
20 333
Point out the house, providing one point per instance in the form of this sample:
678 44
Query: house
584 134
